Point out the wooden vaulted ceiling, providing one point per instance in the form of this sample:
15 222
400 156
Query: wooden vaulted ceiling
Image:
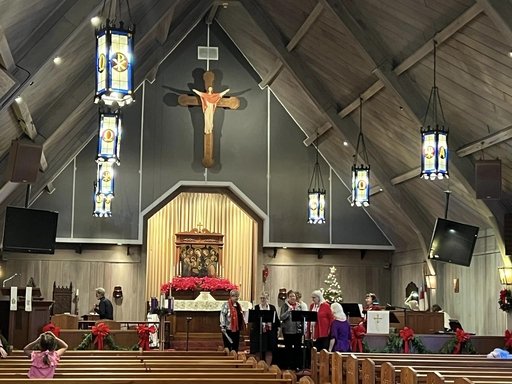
319 57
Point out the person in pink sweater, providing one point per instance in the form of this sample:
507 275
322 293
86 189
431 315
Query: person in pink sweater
45 353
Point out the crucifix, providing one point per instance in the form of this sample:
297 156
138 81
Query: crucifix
209 101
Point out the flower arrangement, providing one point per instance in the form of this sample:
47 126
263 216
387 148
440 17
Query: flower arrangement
179 283
505 300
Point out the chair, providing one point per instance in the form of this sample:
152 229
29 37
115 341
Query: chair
65 321
62 297
112 324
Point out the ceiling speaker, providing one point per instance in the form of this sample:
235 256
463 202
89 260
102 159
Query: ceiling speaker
488 179
24 160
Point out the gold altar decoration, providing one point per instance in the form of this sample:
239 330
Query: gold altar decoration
199 253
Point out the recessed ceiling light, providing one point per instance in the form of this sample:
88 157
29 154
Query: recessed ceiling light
95 21
345 143
510 53
18 99
57 60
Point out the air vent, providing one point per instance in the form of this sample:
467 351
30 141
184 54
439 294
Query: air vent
208 53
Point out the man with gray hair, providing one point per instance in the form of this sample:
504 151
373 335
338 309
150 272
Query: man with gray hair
104 308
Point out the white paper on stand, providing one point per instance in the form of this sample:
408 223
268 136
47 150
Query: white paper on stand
14 298
28 299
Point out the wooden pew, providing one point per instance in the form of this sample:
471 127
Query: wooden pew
216 371
355 373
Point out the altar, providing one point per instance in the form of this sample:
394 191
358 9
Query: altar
203 319
203 314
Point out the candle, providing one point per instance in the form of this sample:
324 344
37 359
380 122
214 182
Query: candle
76 292
162 300
154 304
170 305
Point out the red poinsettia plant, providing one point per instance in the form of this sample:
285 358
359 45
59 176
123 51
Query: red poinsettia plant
179 283
505 300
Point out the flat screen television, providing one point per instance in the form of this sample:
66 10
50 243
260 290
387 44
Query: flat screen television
30 230
453 242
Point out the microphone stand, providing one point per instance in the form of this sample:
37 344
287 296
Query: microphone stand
8 279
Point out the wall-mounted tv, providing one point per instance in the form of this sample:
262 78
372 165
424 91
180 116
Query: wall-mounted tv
30 230
453 242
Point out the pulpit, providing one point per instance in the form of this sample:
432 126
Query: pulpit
420 321
21 327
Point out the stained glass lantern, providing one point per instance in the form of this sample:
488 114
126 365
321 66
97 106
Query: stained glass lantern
114 64
361 173
316 194
109 137
434 135
434 159
316 206
102 205
360 186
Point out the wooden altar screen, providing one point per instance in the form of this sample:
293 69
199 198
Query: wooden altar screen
199 253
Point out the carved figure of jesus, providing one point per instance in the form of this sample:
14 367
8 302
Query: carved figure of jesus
209 101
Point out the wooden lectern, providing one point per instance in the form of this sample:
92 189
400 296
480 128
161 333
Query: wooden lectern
20 327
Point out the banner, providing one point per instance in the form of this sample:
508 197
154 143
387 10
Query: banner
14 298
28 299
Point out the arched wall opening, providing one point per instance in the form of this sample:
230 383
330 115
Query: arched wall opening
218 209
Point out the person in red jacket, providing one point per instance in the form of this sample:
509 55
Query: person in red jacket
318 330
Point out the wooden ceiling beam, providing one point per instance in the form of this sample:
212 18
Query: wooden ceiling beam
419 54
156 57
500 12
486 142
301 32
324 102
46 39
311 139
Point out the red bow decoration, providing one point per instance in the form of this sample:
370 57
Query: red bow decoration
407 334
143 331
461 338
356 341
50 327
101 330
508 339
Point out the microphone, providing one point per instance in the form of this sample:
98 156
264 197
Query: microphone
8 279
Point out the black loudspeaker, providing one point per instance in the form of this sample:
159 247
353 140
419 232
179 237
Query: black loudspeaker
507 233
24 160
488 179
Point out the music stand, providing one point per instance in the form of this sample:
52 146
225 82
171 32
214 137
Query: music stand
351 309
260 317
304 316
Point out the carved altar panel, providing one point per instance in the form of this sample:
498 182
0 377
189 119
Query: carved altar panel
199 253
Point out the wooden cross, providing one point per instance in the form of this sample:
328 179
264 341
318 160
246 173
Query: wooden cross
209 101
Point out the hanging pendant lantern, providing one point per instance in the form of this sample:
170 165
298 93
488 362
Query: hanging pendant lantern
114 58
434 136
104 190
361 173
109 137
316 194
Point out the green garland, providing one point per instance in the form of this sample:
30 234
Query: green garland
109 341
467 347
395 344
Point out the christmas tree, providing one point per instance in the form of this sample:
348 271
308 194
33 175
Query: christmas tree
333 291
